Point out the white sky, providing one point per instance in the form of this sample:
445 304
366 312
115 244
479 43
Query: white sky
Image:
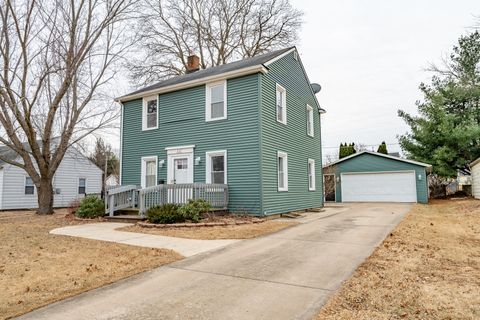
370 56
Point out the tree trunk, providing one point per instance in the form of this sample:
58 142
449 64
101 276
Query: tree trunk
45 197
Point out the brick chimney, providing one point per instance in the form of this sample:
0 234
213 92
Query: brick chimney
193 63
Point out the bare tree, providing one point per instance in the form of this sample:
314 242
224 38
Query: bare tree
218 31
56 56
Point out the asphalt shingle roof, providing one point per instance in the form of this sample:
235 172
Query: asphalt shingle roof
249 62
7 153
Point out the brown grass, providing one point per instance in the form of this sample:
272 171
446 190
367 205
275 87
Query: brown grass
244 231
37 268
428 268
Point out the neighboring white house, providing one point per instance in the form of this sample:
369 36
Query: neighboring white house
475 167
75 177
112 181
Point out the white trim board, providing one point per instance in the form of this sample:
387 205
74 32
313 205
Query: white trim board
144 169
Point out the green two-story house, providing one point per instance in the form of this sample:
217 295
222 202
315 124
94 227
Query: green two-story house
252 124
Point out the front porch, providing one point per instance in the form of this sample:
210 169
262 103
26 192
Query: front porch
132 197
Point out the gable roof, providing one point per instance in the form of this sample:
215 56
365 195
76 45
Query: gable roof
380 155
6 153
474 163
229 70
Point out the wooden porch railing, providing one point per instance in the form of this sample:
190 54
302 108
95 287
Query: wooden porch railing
215 194
121 198
132 197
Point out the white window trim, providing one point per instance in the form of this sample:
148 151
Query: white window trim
310 120
311 188
208 105
284 102
78 185
284 155
25 186
208 164
144 113
144 169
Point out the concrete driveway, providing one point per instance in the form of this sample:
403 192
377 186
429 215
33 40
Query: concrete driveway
287 275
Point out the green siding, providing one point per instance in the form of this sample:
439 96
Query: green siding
182 122
372 163
291 138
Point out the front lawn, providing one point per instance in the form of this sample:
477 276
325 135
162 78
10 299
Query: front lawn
37 268
428 268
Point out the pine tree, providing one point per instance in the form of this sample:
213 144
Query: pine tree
382 148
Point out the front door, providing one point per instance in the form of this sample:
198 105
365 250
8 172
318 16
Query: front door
180 170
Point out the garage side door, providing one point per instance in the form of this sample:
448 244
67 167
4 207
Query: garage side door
379 187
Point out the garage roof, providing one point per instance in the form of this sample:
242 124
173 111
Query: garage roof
380 155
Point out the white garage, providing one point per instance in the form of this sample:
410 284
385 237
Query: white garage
379 187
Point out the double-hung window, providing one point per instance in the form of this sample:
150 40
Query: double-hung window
149 172
150 113
310 127
82 186
216 167
311 174
29 186
216 101
282 171
281 104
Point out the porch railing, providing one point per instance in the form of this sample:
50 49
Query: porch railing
121 198
215 194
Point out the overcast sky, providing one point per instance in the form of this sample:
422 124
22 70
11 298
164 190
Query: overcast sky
370 56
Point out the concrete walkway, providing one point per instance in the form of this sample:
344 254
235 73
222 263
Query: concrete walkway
287 275
105 231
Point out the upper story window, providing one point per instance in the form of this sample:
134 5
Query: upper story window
216 167
311 174
282 171
82 186
281 103
150 113
29 186
216 101
310 127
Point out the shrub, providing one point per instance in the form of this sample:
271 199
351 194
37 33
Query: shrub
90 207
194 208
167 213
73 206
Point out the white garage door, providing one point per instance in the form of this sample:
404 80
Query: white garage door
379 187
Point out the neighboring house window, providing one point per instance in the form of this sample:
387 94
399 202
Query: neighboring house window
216 101
282 169
281 103
29 186
311 174
310 130
150 113
149 172
82 186
216 167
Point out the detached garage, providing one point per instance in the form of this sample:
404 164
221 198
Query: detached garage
376 177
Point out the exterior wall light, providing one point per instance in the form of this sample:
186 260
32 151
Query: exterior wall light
161 163
197 161
419 177
338 179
